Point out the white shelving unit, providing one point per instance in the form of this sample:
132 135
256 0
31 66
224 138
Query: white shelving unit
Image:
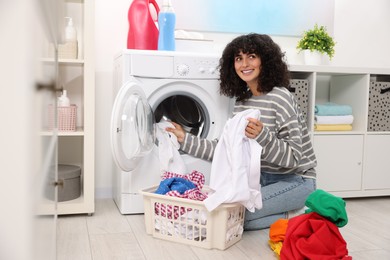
77 76
350 163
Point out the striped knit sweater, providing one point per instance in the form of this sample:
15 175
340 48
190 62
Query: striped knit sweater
285 139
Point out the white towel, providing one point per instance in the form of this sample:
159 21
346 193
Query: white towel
235 170
334 120
168 146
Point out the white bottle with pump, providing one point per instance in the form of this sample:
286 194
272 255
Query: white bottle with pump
69 49
63 100
70 31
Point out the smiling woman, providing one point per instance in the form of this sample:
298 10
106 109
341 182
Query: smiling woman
254 73
277 17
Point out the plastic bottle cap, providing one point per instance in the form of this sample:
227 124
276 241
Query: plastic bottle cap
167 3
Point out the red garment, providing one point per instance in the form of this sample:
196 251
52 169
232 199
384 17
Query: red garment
311 236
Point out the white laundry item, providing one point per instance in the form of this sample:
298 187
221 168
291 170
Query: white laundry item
235 170
168 146
334 120
191 225
234 231
182 34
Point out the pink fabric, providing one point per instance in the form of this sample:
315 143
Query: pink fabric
196 177
194 194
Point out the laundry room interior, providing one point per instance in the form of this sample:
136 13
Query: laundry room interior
92 127
354 48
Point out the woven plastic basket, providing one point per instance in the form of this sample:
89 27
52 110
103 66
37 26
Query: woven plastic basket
189 222
67 50
66 118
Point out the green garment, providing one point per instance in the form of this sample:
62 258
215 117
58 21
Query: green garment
328 206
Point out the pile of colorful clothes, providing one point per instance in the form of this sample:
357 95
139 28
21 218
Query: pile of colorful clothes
315 234
188 186
186 220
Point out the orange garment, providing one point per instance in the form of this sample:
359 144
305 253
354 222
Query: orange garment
277 230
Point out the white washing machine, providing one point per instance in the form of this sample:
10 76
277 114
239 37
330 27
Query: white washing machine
149 86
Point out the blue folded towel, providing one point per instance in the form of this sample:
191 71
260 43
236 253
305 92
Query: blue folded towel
332 109
178 184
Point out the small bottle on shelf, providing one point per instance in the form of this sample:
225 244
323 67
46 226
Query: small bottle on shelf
63 100
69 49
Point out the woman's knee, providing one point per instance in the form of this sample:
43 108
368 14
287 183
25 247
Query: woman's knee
311 184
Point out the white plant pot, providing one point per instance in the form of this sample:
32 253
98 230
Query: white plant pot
312 57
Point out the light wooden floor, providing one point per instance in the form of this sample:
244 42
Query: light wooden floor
109 235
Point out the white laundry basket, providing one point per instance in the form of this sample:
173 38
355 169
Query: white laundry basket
189 222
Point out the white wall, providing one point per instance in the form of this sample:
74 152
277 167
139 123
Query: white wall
362 33
111 37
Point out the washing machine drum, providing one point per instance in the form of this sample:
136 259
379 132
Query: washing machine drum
183 110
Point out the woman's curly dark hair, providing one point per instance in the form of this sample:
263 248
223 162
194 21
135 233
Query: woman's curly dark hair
274 70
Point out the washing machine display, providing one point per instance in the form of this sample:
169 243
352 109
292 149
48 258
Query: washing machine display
156 85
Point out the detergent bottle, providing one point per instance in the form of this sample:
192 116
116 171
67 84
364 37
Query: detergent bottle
63 100
68 49
143 32
166 24
70 31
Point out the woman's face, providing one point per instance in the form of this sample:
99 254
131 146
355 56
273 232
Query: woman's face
248 67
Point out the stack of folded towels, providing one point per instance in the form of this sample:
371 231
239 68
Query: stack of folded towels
333 117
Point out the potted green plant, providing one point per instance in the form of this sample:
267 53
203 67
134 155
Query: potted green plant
317 40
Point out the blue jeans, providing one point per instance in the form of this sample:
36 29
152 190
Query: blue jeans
280 193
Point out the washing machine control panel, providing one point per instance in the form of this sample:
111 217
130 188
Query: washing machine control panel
196 67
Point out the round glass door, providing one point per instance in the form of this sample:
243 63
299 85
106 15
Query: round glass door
132 127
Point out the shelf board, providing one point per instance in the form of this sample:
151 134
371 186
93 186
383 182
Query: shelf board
335 70
64 61
71 61
378 133
79 132
338 132
46 207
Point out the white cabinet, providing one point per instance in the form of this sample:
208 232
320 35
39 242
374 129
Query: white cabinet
351 163
78 78
377 162
340 160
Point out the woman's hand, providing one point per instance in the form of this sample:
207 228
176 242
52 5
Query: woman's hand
253 128
178 131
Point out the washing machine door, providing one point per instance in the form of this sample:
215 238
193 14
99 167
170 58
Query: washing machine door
132 126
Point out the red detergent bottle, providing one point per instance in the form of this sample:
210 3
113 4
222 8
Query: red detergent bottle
143 32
